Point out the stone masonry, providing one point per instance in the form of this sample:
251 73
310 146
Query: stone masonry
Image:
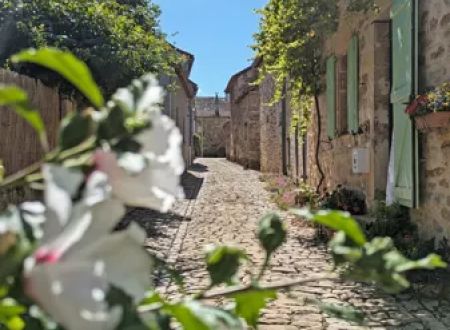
223 206
271 132
374 88
212 123
375 120
245 118
433 213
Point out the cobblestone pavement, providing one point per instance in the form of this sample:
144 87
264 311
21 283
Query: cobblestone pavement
229 204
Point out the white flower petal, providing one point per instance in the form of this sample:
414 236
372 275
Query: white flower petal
124 98
126 263
61 185
153 95
97 188
162 143
156 187
65 292
132 163
103 217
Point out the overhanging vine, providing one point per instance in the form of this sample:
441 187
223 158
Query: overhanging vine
290 42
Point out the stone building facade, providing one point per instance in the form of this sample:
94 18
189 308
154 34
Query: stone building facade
433 211
260 131
360 136
408 166
179 102
212 125
274 129
371 133
245 118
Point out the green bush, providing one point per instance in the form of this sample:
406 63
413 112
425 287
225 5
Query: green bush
118 39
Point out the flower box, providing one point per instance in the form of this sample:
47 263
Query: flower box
431 110
433 120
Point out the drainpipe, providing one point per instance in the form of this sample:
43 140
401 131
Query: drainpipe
297 154
284 129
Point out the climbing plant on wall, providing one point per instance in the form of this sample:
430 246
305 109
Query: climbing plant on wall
290 42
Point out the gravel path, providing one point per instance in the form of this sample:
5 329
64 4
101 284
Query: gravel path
223 205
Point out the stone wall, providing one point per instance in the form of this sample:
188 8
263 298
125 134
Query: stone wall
434 39
336 155
214 132
212 123
251 130
245 118
208 106
270 122
181 115
178 105
433 214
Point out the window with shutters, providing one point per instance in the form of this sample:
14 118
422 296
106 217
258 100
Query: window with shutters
331 97
341 95
353 85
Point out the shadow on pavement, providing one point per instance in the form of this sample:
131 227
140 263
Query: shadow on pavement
200 168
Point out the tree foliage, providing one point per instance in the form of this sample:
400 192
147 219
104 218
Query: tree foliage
291 40
118 39
290 43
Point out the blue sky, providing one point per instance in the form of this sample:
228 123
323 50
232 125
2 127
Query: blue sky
217 32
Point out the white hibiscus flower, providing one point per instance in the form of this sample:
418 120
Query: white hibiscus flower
150 179
70 274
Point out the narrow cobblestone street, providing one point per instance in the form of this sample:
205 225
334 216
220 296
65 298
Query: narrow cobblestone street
223 205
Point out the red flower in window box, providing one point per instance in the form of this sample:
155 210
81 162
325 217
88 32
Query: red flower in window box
419 102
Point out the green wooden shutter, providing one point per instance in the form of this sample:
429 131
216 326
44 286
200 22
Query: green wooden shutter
331 96
402 90
353 86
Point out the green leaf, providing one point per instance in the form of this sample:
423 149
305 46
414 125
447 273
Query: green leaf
15 323
214 318
3 291
337 220
432 261
14 244
10 313
75 128
68 66
16 98
187 318
271 233
2 171
343 250
347 313
157 321
151 298
12 95
194 316
113 125
223 263
10 309
378 262
249 304
130 318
